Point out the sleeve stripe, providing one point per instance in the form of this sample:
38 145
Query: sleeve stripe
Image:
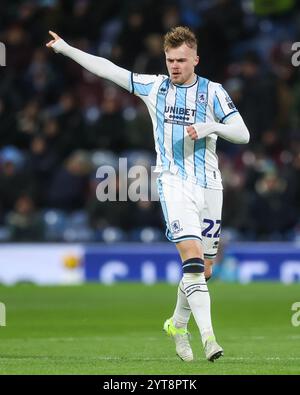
142 89
232 112
132 86
141 83
220 104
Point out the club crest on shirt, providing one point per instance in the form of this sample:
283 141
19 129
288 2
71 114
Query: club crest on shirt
163 91
175 227
202 98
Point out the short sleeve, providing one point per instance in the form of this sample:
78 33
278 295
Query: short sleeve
142 84
222 104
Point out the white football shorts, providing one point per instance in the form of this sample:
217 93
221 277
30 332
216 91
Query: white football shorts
191 212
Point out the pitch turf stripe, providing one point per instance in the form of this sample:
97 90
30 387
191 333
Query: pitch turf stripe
262 359
121 359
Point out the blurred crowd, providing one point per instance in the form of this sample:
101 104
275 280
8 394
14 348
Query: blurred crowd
59 123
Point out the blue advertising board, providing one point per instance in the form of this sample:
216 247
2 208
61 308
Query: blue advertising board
243 262
264 261
132 262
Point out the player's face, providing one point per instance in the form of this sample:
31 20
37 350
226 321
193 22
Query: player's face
181 64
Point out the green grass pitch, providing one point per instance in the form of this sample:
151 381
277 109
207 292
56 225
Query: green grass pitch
96 329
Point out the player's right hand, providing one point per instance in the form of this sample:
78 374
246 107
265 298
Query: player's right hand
56 38
201 130
192 132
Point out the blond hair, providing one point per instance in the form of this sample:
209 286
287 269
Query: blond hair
180 35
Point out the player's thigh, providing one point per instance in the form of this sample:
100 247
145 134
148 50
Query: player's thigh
211 218
180 210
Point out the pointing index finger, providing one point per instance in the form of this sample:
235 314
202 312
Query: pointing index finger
54 35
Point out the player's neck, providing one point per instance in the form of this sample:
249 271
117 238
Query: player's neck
190 81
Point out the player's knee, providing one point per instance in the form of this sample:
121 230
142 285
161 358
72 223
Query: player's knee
189 249
193 266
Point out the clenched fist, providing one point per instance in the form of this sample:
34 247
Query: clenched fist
192 132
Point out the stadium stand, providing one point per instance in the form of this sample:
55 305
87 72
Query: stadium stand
59 123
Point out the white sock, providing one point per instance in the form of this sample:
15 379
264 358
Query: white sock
182 310
198 298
